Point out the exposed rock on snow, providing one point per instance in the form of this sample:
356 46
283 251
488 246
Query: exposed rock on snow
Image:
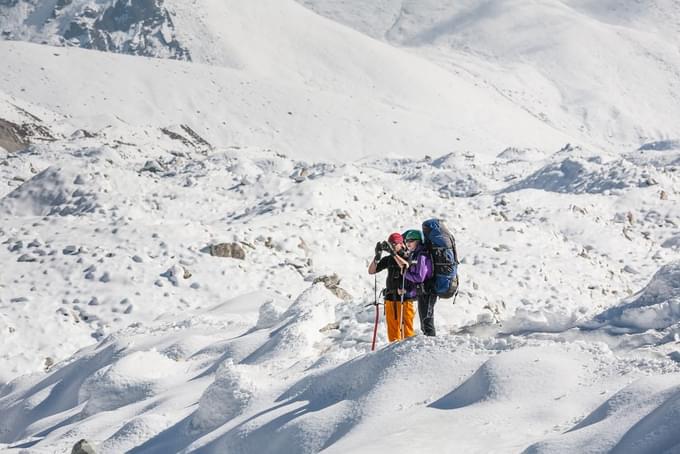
10 138
83 447
300 174
136 27
516 154
70 250
27 258
177 133
332 283
175 274
233 250
153 166
14 137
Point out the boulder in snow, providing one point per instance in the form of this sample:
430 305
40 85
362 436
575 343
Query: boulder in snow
332 283
82 447
175 273
233 250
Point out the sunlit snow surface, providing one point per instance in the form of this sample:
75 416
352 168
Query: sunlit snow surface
117 324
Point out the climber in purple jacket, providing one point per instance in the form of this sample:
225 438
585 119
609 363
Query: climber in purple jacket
418 269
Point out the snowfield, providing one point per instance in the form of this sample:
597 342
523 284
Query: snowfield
185 242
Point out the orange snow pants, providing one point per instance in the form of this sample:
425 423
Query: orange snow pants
393 315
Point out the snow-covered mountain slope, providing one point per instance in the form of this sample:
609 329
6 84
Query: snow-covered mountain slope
382 105
598 72
609 69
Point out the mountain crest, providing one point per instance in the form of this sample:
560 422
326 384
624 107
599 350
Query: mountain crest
137 27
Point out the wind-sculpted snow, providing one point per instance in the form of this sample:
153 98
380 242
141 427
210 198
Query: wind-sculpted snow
38 398
576 175
657 306
664 159
661 145
298 337
672 242
511 377
640 418
224 399
54 191
125 382
322 408
451 175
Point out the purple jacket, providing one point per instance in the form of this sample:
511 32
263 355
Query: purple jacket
421 266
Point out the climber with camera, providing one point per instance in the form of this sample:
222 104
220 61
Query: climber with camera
399 293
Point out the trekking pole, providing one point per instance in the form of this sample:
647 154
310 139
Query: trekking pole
377 311
401 316
455 295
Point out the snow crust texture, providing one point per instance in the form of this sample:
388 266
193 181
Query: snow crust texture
142 341
185 239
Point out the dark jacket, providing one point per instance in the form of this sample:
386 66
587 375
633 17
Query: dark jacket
394 280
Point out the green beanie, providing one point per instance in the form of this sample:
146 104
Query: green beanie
413 235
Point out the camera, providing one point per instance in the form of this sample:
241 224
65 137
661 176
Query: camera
387 247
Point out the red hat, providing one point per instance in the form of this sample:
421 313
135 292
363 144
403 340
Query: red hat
395 238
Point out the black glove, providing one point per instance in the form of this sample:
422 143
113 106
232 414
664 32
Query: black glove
378 252
385 246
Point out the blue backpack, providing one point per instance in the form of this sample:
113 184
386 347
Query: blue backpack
441 245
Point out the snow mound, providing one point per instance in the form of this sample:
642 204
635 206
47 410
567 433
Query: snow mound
578 176
124 382
389 386
661 145
457 184
515 376
548 319
672 242
322 407
520 154
298 337
225 398
454 174
269 314
657 306
54 191
661 158
640 418
133 433
458 176
58 392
